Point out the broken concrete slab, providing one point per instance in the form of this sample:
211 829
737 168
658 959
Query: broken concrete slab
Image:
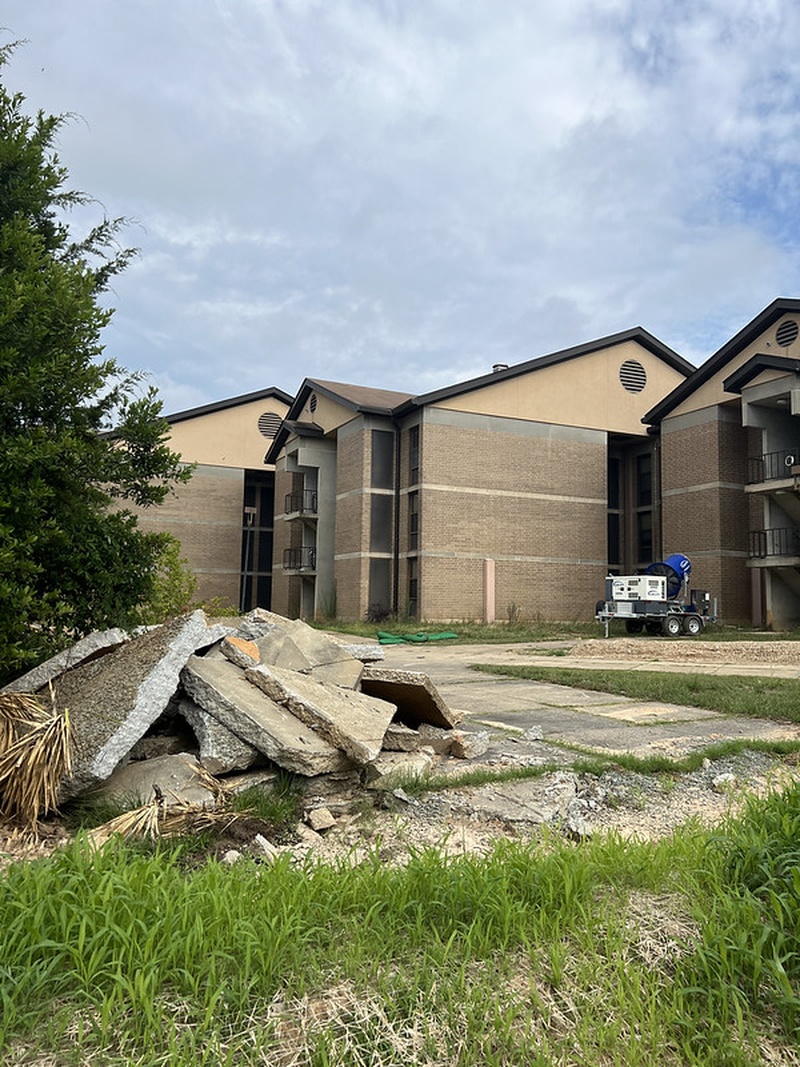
296 646
178 778
416 697
221 750
391 769
114 700
539 800
223 690
88 648
365 652
354 722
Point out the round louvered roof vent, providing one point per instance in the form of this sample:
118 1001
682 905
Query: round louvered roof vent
268 423
633 376
312 404
787 333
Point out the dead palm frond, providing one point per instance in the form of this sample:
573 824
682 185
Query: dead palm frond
19 712
139 822
156 819
35 762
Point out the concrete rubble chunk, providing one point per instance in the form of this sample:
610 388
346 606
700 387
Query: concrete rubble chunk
399 738
416 697
114 700
352 721
437 737
469 744
320 819
178 779
88 648
243 653
221 750
223 691
296 646
392 769
264 849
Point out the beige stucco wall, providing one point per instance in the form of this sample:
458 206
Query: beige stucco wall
229 438
327 413
711 392
583 391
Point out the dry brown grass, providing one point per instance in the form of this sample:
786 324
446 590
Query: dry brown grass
35 756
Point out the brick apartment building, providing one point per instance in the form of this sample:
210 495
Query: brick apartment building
518 491
224 516
512 492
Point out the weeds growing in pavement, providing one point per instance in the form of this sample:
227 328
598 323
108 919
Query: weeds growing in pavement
765 698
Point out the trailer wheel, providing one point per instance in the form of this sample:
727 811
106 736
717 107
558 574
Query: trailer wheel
692 625
634 626
671 626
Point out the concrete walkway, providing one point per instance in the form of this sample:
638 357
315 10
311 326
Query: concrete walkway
510 707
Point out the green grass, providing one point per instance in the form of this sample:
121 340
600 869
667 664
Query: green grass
611 952
522 630
469 632
767 698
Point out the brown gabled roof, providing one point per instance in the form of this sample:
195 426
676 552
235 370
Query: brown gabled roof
776 310
359 397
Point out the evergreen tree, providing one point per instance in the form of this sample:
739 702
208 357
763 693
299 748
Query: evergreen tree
72 557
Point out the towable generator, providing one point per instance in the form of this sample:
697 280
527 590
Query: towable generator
657 601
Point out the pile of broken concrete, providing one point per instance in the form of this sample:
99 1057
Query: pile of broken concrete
192 703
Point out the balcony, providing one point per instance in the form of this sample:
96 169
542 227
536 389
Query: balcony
300 559
302 503
772 465
780 541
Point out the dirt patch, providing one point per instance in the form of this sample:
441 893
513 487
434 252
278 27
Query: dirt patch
775 653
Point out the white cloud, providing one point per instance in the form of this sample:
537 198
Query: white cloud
401 194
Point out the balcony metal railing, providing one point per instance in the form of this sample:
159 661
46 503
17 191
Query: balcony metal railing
779 541
299 559
772 465
305 502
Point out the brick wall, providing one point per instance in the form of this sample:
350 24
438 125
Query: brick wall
205 515
705 512
352 524
534 503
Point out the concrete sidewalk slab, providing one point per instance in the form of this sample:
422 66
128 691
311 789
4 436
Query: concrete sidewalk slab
587 719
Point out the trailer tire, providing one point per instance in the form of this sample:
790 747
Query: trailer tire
634 626
671 626
693 625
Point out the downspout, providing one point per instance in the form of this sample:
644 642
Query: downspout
658 531
396 532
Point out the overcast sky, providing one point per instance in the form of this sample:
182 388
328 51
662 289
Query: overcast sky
401 193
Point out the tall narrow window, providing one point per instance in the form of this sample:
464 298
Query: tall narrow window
380 523
382 459
413 455
257 530
413 522
413 587
644 480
